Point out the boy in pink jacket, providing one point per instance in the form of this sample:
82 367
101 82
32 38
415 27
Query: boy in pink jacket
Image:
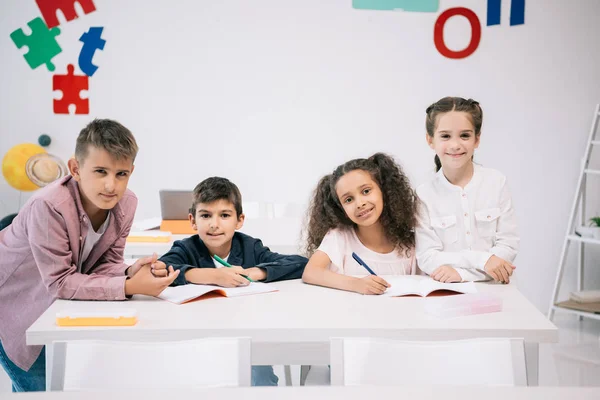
67 242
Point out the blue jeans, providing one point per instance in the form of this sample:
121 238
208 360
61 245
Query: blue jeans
262 375
33 380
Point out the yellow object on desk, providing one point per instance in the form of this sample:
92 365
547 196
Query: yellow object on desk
127 317
149 237
179 227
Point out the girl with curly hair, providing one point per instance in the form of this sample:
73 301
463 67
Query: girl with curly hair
467 227
367 207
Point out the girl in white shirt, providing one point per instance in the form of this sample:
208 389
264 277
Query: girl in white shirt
467 229
365 206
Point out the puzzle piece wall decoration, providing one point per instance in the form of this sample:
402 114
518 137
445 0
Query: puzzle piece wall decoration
405 5
92 41
71 85
48 9
42 44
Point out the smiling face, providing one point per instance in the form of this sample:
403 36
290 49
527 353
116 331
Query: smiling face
360 196
216 222
454 140
102 179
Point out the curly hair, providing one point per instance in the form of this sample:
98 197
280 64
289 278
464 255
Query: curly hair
399 214
448 104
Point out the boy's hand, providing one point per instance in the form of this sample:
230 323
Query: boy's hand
230 277
446 274
499 269
256 273
143 282
371 285
136 266
159 269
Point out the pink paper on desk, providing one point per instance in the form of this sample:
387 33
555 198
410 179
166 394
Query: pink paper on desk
461 305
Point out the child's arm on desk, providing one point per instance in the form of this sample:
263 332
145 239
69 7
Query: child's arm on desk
224 277
273 266
318 273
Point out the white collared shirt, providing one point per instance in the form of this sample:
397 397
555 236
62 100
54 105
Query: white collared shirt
463 228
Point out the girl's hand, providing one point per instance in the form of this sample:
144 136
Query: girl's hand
371 284
446 274
499 269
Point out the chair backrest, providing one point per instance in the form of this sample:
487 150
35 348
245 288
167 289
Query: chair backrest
486 361
105 365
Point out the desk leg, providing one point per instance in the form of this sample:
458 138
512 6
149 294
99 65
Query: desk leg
55 366
49 359
532 361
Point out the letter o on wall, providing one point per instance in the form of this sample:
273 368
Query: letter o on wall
438 32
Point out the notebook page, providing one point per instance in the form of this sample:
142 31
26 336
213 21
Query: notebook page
183 293
422 285
252 288
402 285
429 285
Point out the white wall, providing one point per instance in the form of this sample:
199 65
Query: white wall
273 94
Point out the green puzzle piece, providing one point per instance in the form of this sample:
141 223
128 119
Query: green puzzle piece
42 43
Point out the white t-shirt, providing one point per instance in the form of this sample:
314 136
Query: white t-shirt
92 237
463 228
218 264
339 244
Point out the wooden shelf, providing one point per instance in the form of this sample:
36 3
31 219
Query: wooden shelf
588 314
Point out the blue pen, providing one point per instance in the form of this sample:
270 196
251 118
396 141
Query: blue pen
364 264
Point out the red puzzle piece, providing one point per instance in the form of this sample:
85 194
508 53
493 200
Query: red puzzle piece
48 9
70 85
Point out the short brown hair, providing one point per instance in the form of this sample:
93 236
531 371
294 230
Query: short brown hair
217 188
109 135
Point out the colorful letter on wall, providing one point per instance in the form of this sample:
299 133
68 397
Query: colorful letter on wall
438 32
517 12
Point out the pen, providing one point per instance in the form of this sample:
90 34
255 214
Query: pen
226 264
364 264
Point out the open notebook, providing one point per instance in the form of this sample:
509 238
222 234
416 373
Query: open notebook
403 285
185 293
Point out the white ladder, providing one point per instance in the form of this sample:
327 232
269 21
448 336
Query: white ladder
578 208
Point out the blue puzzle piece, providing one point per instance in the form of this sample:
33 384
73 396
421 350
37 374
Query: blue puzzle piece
42 43
92 41
406 5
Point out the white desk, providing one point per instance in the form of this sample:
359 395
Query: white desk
294 325
331 393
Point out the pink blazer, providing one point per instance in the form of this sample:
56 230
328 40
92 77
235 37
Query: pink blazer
39 255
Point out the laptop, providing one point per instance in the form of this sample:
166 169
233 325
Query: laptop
175 204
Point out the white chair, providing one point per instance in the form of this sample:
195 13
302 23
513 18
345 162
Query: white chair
105 365
486 361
